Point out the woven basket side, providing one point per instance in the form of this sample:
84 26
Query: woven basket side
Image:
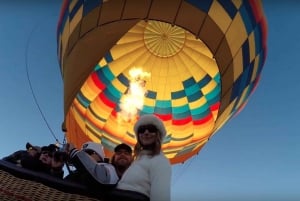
17 189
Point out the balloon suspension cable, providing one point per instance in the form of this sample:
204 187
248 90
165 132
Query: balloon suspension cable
30 84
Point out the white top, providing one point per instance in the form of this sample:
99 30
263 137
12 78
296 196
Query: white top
150 176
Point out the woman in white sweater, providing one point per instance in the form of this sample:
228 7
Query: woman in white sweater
150 173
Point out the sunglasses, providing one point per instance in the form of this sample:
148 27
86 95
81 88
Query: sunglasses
150 128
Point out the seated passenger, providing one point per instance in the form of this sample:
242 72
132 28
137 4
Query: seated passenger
16 157
57 163
46 162
91 169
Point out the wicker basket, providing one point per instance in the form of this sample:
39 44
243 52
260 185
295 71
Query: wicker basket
16 186
20 184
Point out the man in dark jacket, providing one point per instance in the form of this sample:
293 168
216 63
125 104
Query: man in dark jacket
30 152
50 161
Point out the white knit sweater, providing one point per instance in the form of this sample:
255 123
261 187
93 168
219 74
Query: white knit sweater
150 176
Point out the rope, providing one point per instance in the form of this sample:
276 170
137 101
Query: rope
30 84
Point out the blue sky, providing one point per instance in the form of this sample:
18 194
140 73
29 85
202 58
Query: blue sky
254 157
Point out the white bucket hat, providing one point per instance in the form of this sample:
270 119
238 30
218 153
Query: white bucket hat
96 147
150 119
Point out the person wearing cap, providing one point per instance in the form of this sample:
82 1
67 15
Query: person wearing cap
122 158
91 169
149 175
47 154
49 161
33 150
16 157
58 160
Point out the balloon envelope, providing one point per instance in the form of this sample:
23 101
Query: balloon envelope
192 63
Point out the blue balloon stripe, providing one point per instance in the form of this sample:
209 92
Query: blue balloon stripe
201 5
189 82
90 5
83 100
229 7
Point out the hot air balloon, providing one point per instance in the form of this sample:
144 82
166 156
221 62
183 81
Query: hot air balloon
192 63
